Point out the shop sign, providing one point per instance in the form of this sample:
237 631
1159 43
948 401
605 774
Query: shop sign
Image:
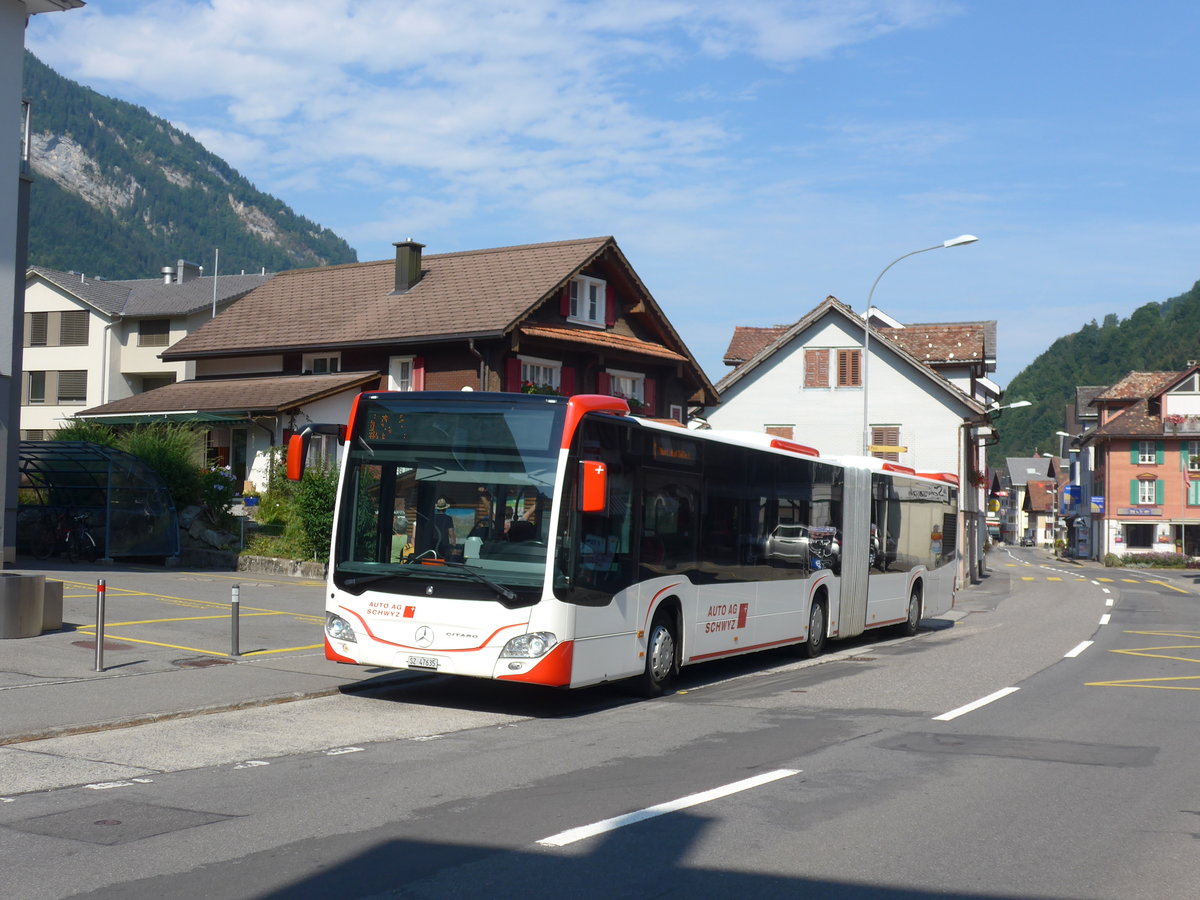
1139 511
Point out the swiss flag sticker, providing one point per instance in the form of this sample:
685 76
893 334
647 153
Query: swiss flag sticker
409 612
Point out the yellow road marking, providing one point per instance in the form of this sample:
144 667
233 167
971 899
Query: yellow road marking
1027 578
1171 586
1105 580
182 619
1131 581
1053 578
118 637
1146 683
283 650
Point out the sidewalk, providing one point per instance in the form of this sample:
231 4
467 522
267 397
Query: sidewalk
168 650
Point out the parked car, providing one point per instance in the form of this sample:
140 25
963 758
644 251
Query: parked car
1028 540
800 545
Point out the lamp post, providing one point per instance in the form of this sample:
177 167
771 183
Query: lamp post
952 242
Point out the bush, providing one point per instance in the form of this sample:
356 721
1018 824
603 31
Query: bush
83 430
173 451
1111 560
313 504
1154 560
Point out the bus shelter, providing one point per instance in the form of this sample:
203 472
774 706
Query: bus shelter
130 511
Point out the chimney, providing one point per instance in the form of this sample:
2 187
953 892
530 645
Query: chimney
186 271
408 264
168 274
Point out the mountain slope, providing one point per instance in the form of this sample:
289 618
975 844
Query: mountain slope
120 193
1156 337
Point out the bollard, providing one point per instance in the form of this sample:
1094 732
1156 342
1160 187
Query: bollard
233 622
100 625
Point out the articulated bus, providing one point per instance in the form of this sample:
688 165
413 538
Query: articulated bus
561 541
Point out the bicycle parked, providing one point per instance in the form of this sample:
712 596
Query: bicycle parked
66 533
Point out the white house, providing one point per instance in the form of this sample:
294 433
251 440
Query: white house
918 397
88 341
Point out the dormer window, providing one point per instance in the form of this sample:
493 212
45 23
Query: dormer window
588 301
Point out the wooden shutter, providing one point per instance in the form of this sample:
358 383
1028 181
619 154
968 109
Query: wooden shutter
650 397
564 302
1158 491
1160 452
1134 447
603 383
849 374
816 368
566 381
610 304
888 435
512 374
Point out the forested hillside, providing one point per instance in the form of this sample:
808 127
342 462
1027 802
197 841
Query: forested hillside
119 192
1156 337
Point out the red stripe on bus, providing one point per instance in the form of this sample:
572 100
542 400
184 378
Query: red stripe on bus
333 655
553 671
794 640
654 599
377 639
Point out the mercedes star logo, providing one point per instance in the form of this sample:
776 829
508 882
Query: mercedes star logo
424 635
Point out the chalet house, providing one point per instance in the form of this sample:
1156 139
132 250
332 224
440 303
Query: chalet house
1142 464
1016 477
564 317
927 387
89 341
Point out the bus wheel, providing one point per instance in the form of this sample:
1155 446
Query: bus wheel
815 645
912 622
660 657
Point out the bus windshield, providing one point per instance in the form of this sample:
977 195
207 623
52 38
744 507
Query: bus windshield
449 495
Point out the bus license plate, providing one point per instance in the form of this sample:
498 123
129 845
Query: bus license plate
423 662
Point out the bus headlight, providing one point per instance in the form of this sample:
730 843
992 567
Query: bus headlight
339 629
529 646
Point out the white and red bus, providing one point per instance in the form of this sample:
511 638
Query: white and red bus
561 541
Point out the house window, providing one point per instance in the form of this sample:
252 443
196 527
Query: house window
629 385
73 328
37 330
587 300
315 364
1192 448
1147 454
816 368
1146 491
154 332
1193 492
849 368
541 373
72 386
37 388
1139 536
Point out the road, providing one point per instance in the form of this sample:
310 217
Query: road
877 772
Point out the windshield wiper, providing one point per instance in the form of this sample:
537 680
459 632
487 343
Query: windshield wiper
410 569
481 578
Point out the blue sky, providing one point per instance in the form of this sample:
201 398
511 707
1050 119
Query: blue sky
750 158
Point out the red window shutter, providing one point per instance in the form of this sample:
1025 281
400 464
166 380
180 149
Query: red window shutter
650 397
816 368
603 383
566 382
610 304
512 374
564 302
849 374
418 373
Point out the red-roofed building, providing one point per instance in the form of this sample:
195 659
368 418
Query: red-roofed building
1141 466
564 317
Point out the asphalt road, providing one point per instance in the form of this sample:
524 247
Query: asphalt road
1042 746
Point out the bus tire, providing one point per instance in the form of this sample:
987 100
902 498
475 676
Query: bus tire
912 622
814 644
661 651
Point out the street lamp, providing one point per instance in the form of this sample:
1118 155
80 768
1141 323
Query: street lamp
953 242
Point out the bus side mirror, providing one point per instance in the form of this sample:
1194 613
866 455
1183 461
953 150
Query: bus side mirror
593 486
298 444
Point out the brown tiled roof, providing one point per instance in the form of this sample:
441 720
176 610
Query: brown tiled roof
269 394
1039 496
945 343
748 340
1136 421
473 293
597 338
1136 386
